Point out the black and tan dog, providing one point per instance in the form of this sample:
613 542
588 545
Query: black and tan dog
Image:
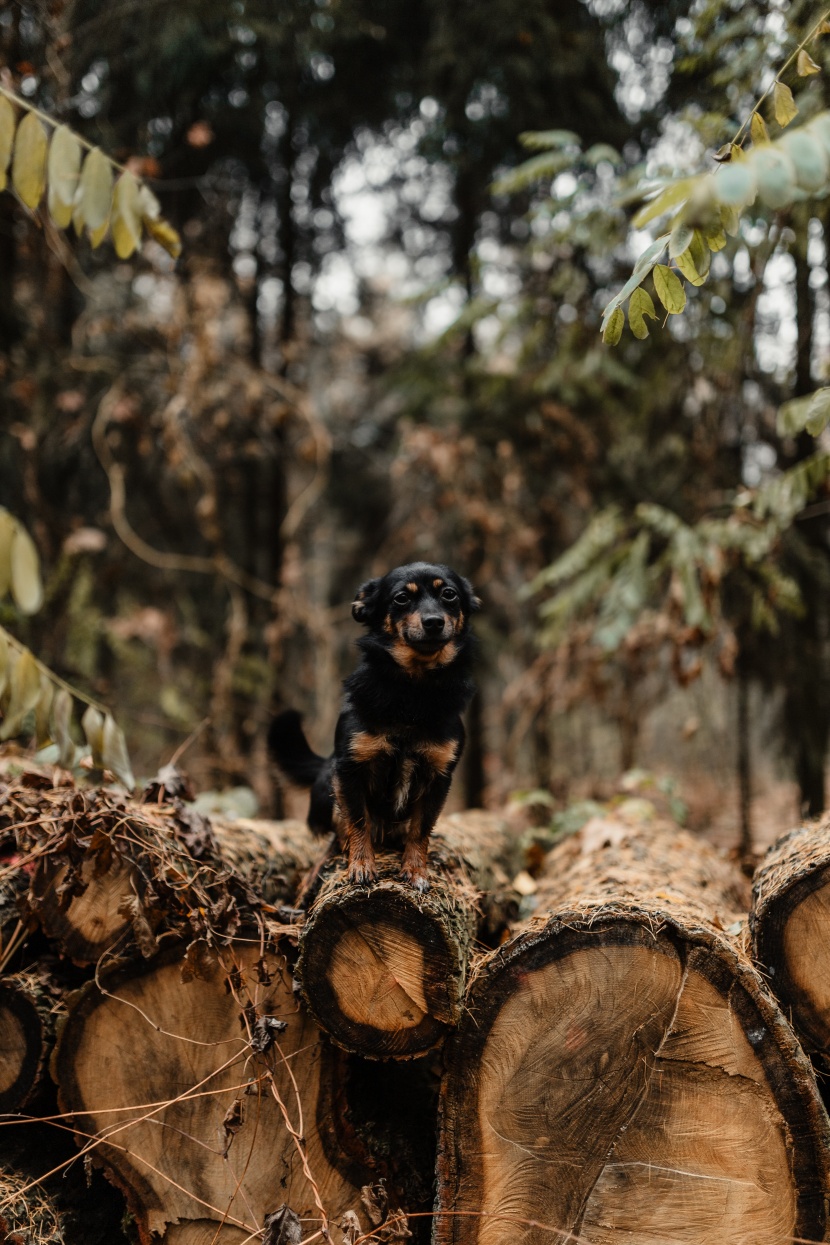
399 735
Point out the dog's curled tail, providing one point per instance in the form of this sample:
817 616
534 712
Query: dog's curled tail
291 751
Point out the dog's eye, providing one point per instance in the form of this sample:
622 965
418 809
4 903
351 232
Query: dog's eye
449 594
401 598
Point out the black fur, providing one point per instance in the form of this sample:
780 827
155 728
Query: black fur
399 735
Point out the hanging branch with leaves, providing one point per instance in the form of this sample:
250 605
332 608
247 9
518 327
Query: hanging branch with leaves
32 693
700 211
89 191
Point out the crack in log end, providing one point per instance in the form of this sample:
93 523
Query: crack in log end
377 975
620 1100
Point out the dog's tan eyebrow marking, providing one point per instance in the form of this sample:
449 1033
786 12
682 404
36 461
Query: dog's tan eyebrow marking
437 583
412 587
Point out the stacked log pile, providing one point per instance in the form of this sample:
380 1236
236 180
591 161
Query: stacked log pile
246 1066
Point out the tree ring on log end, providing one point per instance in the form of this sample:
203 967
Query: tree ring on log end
626 1081
383 968
791 935
21 1046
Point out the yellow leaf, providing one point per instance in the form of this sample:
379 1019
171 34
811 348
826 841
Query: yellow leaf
63 169
165 235
148 204
824 28
61 719
42 711
29 162
7 124
639 307
126 215
669 197
93 726
730 219
758 129
614 327
96 236
96 189
686 264
8 527
805 64
669 289
26 584
783 104
716 239
114 753
25 692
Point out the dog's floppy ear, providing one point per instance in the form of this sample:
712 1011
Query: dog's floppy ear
365 600
475 602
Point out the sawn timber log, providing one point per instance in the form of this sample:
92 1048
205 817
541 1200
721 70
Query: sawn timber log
383 968
790 925
621 1073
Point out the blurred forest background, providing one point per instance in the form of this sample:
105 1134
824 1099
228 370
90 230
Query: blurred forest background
380 345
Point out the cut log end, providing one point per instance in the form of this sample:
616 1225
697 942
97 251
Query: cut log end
383 969
791 930
622 1076
26 1030
621 1094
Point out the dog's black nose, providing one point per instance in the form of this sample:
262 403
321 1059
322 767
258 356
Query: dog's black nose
432 623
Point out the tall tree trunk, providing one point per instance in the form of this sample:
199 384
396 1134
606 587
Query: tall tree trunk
745 845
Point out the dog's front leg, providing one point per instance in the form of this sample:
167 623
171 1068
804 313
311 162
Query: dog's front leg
415 866
355 828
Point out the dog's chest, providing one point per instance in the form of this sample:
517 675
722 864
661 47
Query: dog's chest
398 770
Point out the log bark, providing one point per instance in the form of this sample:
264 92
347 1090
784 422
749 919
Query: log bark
29 1008
208 1095
790 924
383 968
621 1073
112 874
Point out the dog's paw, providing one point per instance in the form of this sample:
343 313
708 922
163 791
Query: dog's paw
362 874
416 878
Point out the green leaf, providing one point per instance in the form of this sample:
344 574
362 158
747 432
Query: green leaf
669 197
599 152
61 719
758 131
669 289
26 584
639 307
602 532
8 121
735 184
783 104
63 170
775 176
532 171
96 190
701 258
114 753
29 162
613 329
651 255
679 239
818 412
5 663
541 140
25 691
809 158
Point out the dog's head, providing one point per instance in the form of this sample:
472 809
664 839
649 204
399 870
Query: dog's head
419 612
